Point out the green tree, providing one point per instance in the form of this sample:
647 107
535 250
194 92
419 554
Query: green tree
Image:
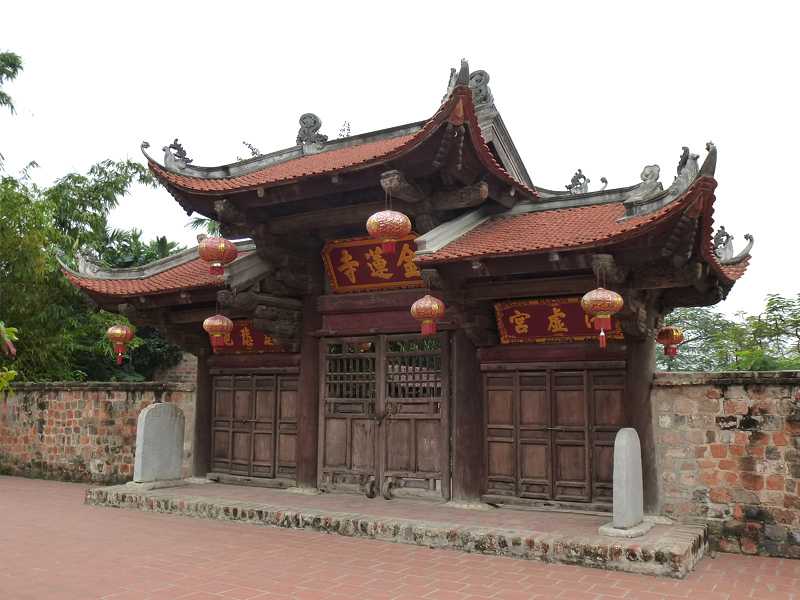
10 67
61 336
769 340
125 248
209 226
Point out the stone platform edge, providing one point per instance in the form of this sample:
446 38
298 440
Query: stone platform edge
674 556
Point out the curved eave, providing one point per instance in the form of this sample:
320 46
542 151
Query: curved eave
182 272
456 109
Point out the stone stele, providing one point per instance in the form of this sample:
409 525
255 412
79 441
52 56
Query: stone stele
159 443
628 491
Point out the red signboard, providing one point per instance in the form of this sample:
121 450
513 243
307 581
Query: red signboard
244 339
547 320
359 265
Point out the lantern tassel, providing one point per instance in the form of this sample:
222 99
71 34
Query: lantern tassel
428 327
602 338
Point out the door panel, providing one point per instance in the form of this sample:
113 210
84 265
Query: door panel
383 415
249 435
550 434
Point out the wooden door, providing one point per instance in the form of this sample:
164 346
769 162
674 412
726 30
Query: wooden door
254 425
413 437
550 433
383 416
348 404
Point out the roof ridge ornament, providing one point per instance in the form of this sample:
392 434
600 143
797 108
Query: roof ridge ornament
477 81
723 247
309 137
175 158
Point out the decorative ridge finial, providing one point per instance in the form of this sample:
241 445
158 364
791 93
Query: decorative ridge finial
175 158
309 136
710 163
463 74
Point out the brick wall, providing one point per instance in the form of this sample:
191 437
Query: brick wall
82 431
184 372
729 454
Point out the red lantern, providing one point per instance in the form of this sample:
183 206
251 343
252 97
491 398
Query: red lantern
427 309
387 226
601 303
218 327
218 252
119 335
670 336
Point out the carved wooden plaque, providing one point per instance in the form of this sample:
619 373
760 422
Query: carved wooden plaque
245 339
360 265
547 320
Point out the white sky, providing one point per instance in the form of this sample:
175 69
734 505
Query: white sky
603 86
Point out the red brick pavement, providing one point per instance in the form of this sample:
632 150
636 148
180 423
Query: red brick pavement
52 546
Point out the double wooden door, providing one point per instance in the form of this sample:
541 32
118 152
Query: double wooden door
383 416
254 425
550 433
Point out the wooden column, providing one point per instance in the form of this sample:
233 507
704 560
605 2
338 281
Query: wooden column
640 365
468 430
308 391
201 448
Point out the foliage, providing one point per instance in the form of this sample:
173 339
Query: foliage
125 248
61 336
10 67
767 341
209 226
8 335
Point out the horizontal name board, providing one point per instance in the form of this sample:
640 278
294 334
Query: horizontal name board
359 265
547 320
245 339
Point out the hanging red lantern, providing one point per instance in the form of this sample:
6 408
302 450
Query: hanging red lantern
119 336
218 327
218 252
600 304
427 309
388 226
670 336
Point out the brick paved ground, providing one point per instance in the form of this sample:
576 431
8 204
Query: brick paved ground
54 547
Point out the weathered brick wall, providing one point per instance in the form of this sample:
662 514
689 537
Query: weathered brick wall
729 454
82 431
184 372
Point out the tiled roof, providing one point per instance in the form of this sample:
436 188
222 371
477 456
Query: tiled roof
304 166
547 230
458 109
189 275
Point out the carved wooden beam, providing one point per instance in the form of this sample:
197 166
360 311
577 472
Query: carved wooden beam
395 183
227 212
606 269
464 197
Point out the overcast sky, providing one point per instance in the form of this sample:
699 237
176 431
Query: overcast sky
607 87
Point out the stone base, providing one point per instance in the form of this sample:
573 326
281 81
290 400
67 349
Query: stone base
305 491
469 505
157 485
670 551
637 531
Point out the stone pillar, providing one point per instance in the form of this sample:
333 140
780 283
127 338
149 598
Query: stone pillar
628 491
159 443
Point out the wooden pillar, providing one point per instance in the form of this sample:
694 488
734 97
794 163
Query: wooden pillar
641 364
308 391
467 420
201 448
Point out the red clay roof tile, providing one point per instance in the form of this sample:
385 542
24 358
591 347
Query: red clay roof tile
190 275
